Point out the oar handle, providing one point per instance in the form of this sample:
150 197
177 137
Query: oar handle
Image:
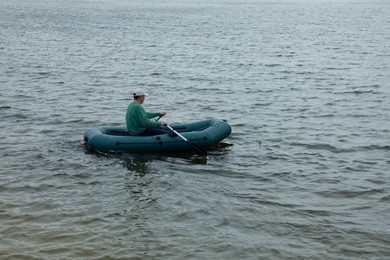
159 117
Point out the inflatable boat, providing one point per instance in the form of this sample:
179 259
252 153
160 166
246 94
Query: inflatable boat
203 134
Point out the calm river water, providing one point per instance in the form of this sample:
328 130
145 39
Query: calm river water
305 86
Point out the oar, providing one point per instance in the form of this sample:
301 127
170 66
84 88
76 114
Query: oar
159 117
194 146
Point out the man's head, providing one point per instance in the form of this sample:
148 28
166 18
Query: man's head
139 94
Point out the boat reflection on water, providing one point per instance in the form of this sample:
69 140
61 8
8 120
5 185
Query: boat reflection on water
145 163
140 163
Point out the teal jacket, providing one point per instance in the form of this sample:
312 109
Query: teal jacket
137 120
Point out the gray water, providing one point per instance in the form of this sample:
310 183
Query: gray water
304 85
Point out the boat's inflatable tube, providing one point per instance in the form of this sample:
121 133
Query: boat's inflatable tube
204 133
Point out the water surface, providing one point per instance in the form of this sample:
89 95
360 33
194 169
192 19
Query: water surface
305 87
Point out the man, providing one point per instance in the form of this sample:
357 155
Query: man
138 121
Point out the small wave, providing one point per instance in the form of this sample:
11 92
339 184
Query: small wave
326 115
333 68
335 149
21 96
273 65
43 73
277 156
304 73
313 212
375 147
385 198
349 193
327 147
358 92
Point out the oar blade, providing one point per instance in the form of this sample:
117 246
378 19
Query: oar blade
198 149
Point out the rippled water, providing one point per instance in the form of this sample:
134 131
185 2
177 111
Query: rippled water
305 87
